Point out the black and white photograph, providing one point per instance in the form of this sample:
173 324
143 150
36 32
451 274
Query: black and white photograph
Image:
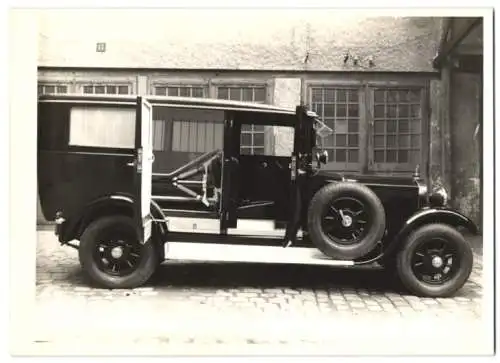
310 181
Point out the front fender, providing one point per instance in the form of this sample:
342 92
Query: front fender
432 215
440 215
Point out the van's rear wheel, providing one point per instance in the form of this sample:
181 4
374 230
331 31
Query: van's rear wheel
346 220
111 255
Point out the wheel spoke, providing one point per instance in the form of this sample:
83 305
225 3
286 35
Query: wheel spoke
334 210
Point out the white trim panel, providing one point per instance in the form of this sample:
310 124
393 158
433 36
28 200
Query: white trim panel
245 227
243 253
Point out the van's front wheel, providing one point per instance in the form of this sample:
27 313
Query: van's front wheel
111 255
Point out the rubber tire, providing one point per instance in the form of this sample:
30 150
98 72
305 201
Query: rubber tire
88 240
324 243
419 288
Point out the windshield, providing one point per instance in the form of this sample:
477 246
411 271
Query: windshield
322 130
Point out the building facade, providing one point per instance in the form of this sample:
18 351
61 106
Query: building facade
372 80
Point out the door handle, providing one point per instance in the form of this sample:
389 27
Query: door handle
132 163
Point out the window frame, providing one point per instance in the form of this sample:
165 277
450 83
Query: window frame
347 166
55 85
205 88
267 131
395 167
366 126
106 84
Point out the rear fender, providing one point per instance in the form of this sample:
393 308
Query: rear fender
107 205
428 216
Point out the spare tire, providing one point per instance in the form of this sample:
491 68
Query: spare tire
346 220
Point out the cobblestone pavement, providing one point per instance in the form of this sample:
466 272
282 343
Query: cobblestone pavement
224 306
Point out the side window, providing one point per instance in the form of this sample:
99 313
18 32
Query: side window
266 140
111 127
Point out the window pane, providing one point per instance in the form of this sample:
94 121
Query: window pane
246 151
340 155
123 90
161 91
173 91
404 111
379 141
99 89
404 126
341 95
391 141
379 127
88 89
40 89
246 128
258 128
62 89
329 110
102 127
415 126
197 92
392 111
353 140
415 141
260 95
246 139
258 139
341 110
391 156
353 96
223 93
317 95
111 89
404 141
340 126
379 156
158 135
50 89
184 92
415 110
414 96
353 156
340 140
353 125
392 96
392 126
353 110
235 94
379 111
403 156
329 95
379 96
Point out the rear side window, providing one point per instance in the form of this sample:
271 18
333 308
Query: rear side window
111 127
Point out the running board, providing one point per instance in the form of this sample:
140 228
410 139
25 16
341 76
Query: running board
253 254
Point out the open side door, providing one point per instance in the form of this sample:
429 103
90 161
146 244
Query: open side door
229 183
143 163
304 140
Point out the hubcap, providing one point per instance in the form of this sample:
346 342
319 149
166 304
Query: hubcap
347 221
117 252
437 262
